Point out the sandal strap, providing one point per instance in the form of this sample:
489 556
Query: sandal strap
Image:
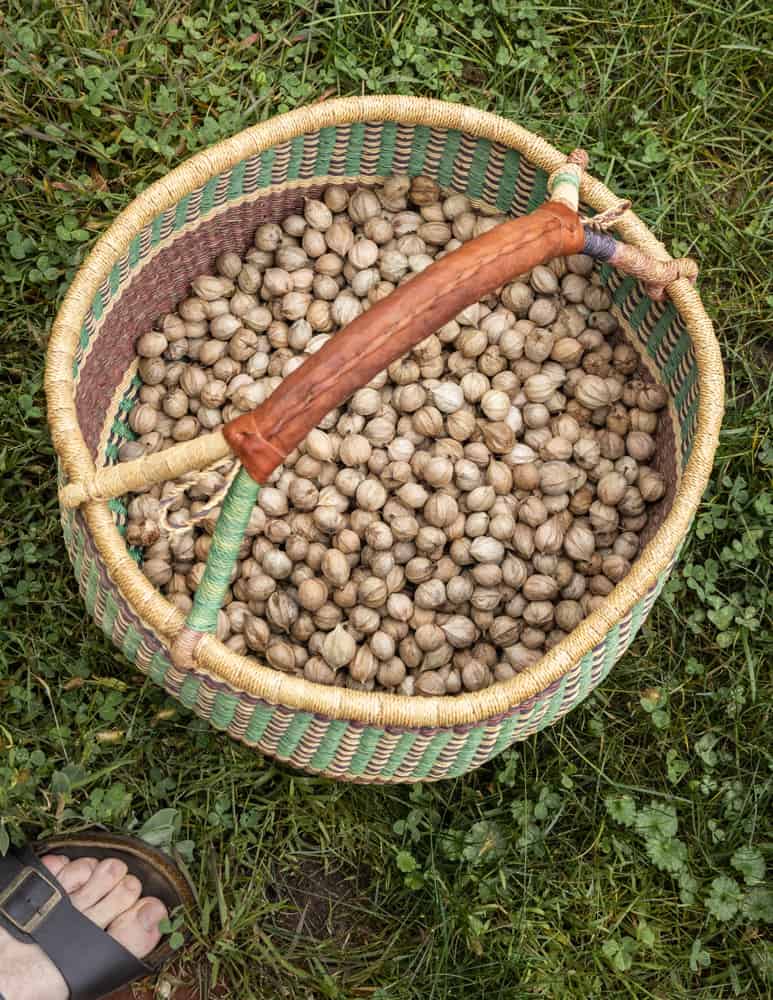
35 908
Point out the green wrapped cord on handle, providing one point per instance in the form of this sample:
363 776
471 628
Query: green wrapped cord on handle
223 552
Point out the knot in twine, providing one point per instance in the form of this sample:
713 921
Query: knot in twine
605 220
228 467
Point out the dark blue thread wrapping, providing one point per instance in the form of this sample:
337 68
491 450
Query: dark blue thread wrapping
602 246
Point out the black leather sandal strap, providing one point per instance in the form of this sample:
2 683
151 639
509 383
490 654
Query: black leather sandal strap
35 908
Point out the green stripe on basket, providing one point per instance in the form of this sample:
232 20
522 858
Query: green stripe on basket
369 741
326 140
354 148
77 563
223 709
555 703
685 388
586 673
432 752
421 137
467 752
236 181
623 290
158 666
92 585
445 170
296 157
477 174
660 329
294 734
507 182
114 279
329 744
611 649
539 190
208 195
397 756
261 717
181 212
98 306
66 519
637 614
506 728
688 426
639 313
189 691
131 643
155 230
267 158
680 348
110 614
134 251
386 153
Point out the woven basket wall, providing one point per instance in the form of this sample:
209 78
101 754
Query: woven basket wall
144 265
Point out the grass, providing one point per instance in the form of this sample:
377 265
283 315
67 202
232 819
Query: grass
620 854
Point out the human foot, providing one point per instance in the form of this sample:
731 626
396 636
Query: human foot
108 896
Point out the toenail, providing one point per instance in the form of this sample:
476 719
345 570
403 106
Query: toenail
151 913
116 868
132 883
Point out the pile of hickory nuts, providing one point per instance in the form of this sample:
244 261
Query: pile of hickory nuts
463 512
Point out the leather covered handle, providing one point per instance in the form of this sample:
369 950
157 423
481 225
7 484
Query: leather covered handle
263 438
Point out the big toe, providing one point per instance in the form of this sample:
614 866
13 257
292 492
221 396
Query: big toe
137 928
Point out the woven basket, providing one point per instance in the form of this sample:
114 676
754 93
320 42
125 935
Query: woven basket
144 264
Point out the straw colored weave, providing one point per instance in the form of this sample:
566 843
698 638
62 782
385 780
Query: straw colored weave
144 264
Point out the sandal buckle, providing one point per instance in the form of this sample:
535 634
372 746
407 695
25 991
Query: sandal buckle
23 897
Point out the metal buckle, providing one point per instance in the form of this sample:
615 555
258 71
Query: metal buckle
37 918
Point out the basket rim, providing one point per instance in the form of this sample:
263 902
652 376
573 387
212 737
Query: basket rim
246 675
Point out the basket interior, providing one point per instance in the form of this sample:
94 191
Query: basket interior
224 213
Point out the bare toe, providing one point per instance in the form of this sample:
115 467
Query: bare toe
116 902
137 929
54 862
76 873
105 877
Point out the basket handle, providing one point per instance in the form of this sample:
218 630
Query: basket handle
263 438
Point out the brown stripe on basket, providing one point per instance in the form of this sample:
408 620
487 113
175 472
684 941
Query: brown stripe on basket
155 289
524 186
403 147
191 211
434 151
277 727
251 174
493 176
346 750
310 743
371 148
282 154
486 747
245 706
462 161
221 190
340 151
308 157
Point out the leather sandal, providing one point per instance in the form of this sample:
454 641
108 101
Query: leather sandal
35 908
